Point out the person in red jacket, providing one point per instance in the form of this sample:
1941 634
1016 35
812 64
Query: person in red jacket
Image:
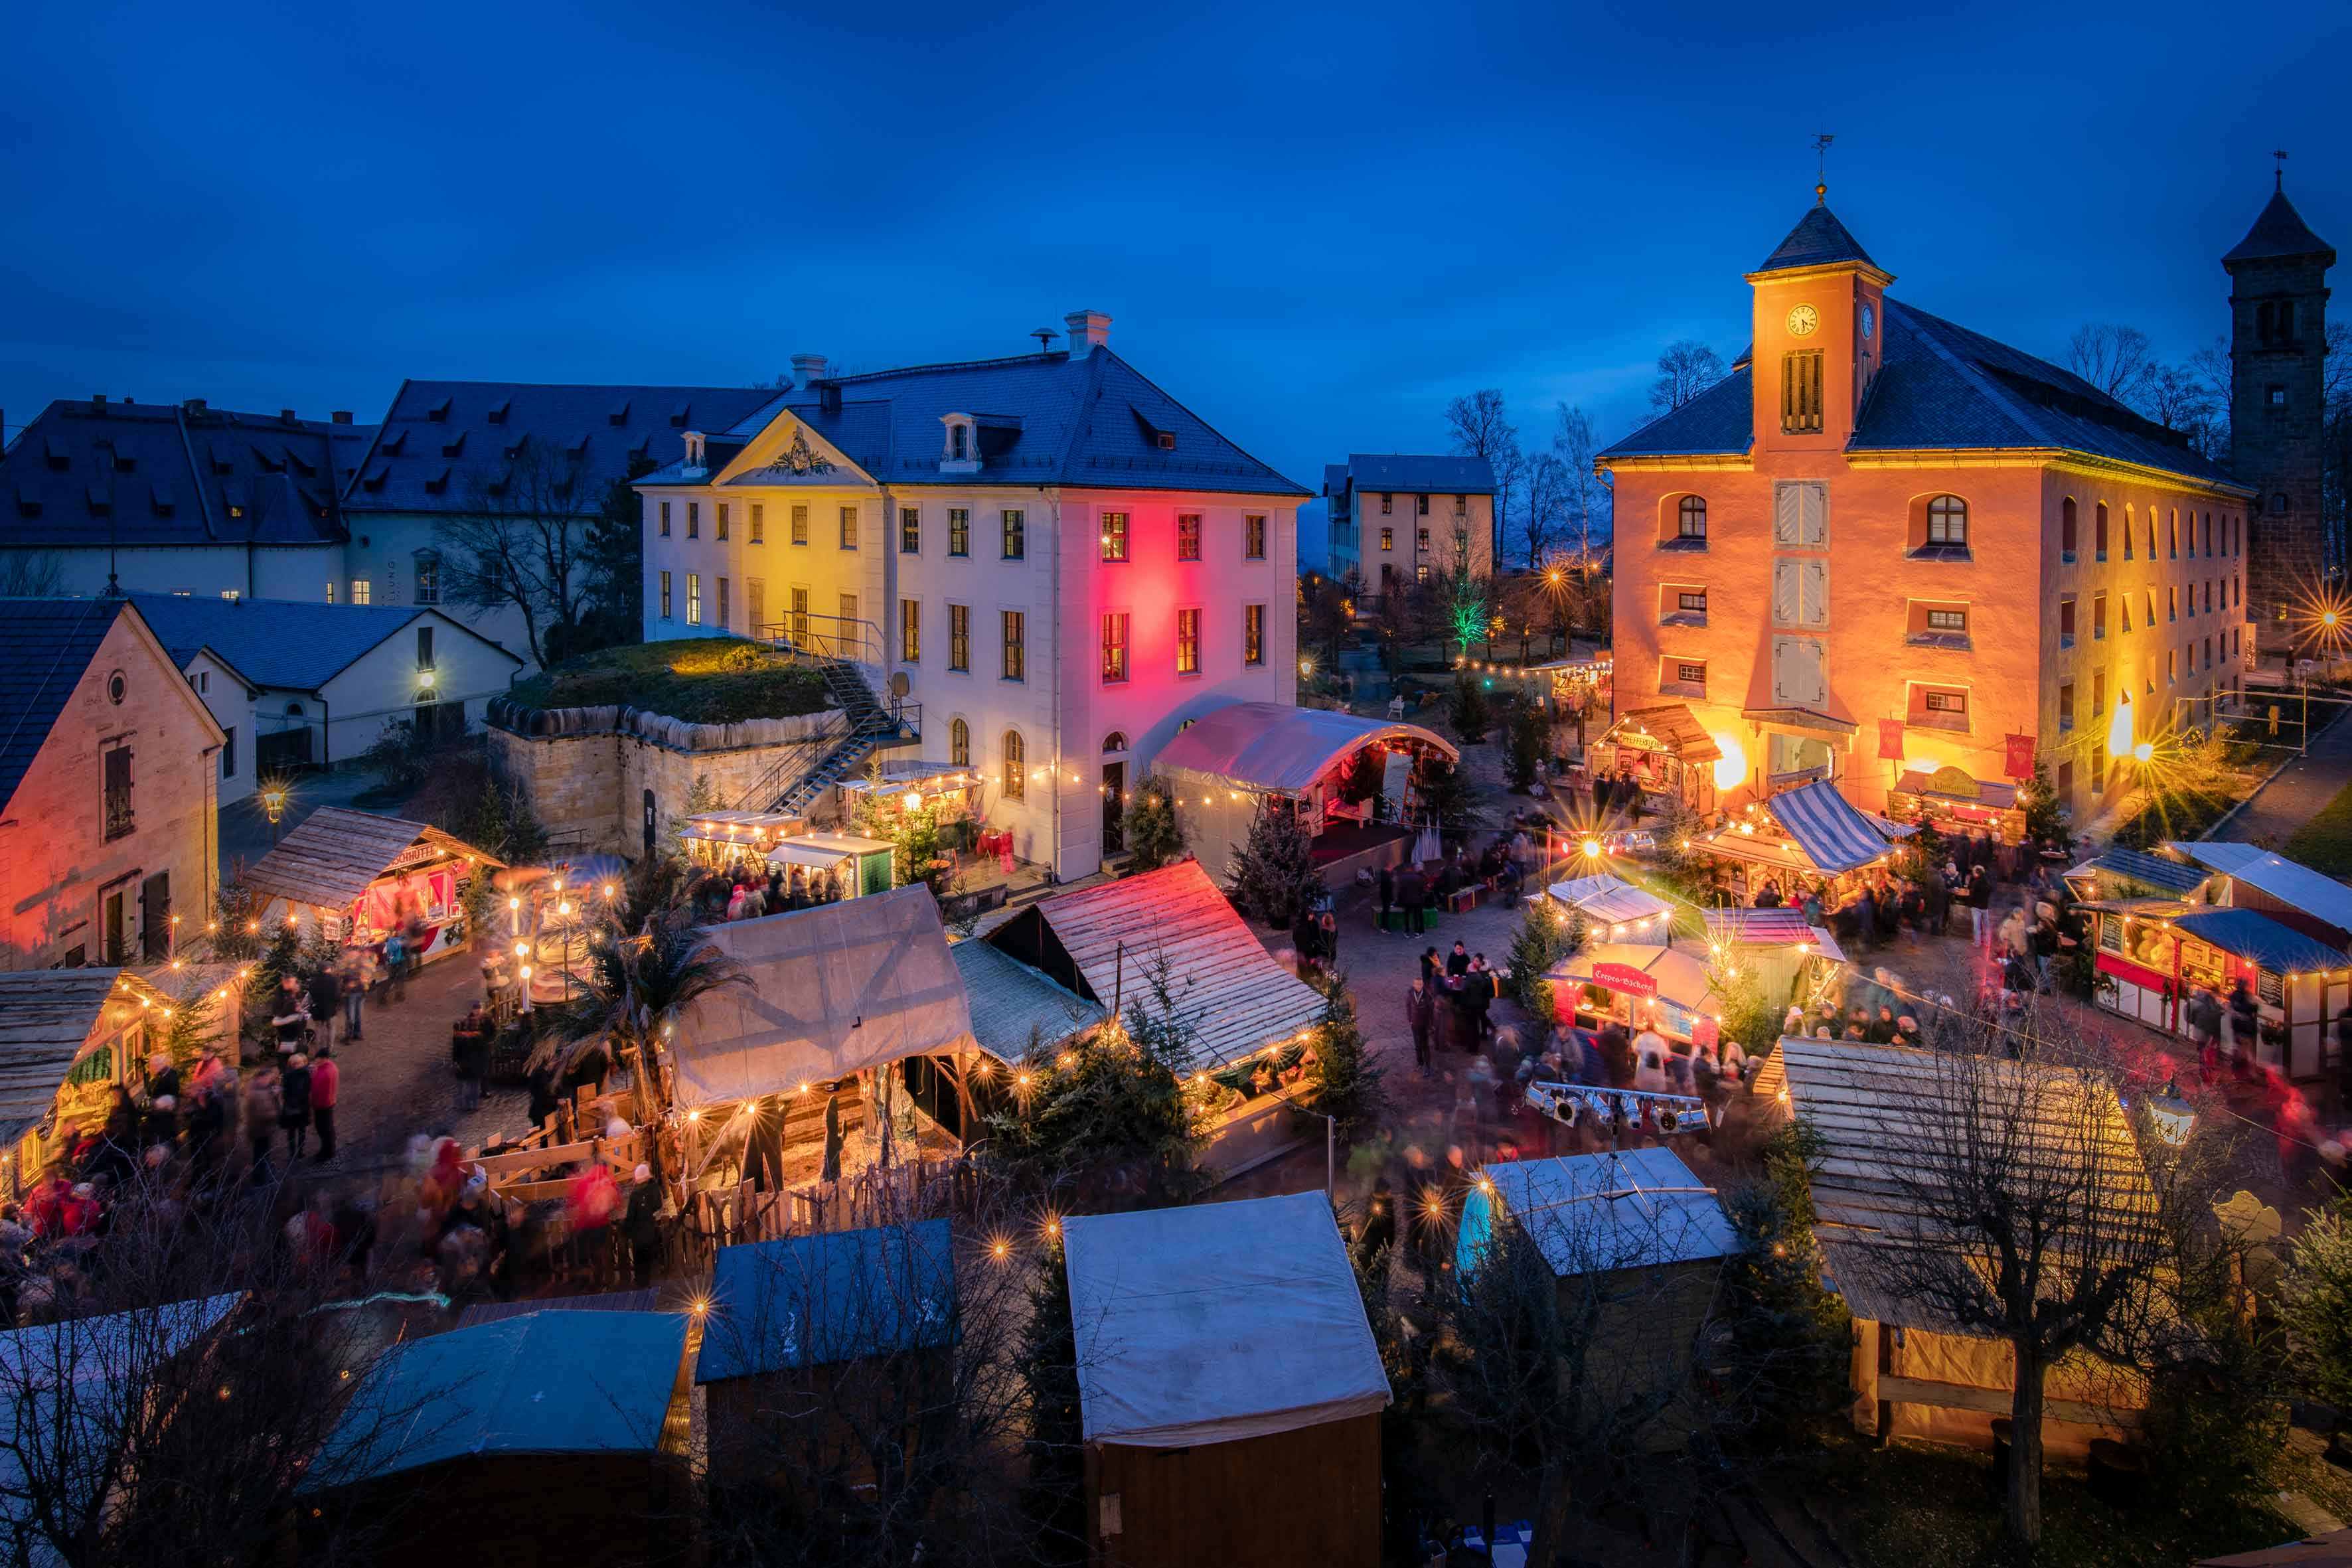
326 1078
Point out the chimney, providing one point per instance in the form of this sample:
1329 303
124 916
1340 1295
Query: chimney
97 403
807 370
287 414
341 416
1089 330
193 406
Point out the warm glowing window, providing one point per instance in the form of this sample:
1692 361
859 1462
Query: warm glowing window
910 531
722 622
1188 642
1114 646
959 636
693 599
959 531
910 631
1114 536
1254 536
1388 539
1016 535
1188 536
1014 779
665 596
1253 634
959 745
1015 625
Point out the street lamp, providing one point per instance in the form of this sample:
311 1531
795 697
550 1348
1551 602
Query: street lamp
273 803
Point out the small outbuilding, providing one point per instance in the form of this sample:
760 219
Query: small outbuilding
354 877
810 1341
1229 1387
584 1415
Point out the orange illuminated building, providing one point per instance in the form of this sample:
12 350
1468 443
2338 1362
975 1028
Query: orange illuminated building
1892 552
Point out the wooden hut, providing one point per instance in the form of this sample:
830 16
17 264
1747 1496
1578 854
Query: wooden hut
536 1441
1636 1242
814 1343
1915 1374
1229 1387
353 876
1792 960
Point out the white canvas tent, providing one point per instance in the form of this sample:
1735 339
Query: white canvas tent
828 991
1218 1322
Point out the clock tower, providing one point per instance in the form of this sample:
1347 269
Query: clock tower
1818 299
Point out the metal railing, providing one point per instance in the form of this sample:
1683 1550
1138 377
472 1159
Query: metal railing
818 638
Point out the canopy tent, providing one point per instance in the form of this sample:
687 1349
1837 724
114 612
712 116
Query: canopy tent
828 991
1109 942
1633 1209
1669 727
1613 900
1834 835
543 1383
818 1301
2275 877
1218 1322
336 854
1274 746
1013 1003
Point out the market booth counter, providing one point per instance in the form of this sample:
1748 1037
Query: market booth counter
353 878
1792 960
1667 751
2152 955
848 865
1959 802
519 1442
715 840
1229 1387
1805 834
1660 988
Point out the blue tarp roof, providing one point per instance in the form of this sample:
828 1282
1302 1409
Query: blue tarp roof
1593 1214
2249 934
813 1300
547 1383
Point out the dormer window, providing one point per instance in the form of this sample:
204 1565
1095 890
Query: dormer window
959 445
960 442
694 447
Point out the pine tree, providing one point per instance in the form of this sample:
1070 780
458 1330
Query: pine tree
2044 820
1470 713
1055 1441
1445 794
1273 875
1541 941
1154 837
1526 737
700 796
1344 1083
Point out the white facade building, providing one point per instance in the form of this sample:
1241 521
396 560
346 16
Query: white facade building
1064 563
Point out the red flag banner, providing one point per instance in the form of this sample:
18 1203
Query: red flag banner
1890 740
2019 763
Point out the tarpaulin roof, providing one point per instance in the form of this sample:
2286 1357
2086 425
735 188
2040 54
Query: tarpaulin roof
1275 746
545 1382
1594 1212
828 991
1216 1321
331 858
815 1300
1681 978
1671 726
1834 835
1234 995
2298 886
2253 935
1611 899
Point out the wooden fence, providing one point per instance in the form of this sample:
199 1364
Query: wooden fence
923 1189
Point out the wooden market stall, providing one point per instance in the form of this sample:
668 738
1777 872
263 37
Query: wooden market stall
1248 1016
1229 1387
718 839
1616 910
1667 751
1809 833
842 865
527 1437
810 1341
354 877
1914 1373
1636 1242
1959 802
1660 988
1794 962
2152 955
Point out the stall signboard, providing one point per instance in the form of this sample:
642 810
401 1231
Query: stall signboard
1705 1034
1625 978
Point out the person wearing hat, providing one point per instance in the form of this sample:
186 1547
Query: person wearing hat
294 1104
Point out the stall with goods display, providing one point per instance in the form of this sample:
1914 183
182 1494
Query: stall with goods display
1806 835
1668 752
1615 908
2153 956
1639 987
720 839
354 878
1792 960
1957 802
826 868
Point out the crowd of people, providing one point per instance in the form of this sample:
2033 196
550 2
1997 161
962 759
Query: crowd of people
745 889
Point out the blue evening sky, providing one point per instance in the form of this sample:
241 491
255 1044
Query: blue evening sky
1314 229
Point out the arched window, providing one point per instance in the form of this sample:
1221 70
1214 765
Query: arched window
1947 520
1113 742
1015 781
293 710
1691 518
2131 525
959 745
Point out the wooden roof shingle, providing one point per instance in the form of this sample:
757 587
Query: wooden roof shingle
331 858
46 1016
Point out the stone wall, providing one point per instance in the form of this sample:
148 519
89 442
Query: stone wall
587 770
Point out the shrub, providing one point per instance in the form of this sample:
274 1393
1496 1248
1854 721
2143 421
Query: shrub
1343 1083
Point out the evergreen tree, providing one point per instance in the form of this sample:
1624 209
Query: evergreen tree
1526 737
700 796
2044 819
1469 712
1154 837
1788 1346
1541 941
1344 1083
1445 794
1056 1438
1273 875
616 586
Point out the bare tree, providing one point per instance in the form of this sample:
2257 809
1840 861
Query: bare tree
31 574
176 1401
1687 367
1591 504
2119 361
2024 1213
1550 499
522 540
2215 378
1482 428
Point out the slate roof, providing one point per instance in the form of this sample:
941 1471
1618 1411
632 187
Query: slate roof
2278 232
1043 419
1940 385
158 473
298 644
1817 240
1394 472
44 646
444 442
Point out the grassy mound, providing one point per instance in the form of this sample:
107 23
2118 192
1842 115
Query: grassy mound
702 681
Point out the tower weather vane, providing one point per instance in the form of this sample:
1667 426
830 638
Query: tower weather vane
1822 140
2278 176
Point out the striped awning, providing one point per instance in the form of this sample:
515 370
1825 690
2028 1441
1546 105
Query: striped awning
1834 836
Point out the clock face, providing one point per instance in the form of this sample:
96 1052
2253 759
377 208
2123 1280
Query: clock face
1869 318
1802 319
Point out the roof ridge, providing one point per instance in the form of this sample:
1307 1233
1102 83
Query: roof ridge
2008 402
950 364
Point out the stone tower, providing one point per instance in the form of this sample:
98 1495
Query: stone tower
2278 326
